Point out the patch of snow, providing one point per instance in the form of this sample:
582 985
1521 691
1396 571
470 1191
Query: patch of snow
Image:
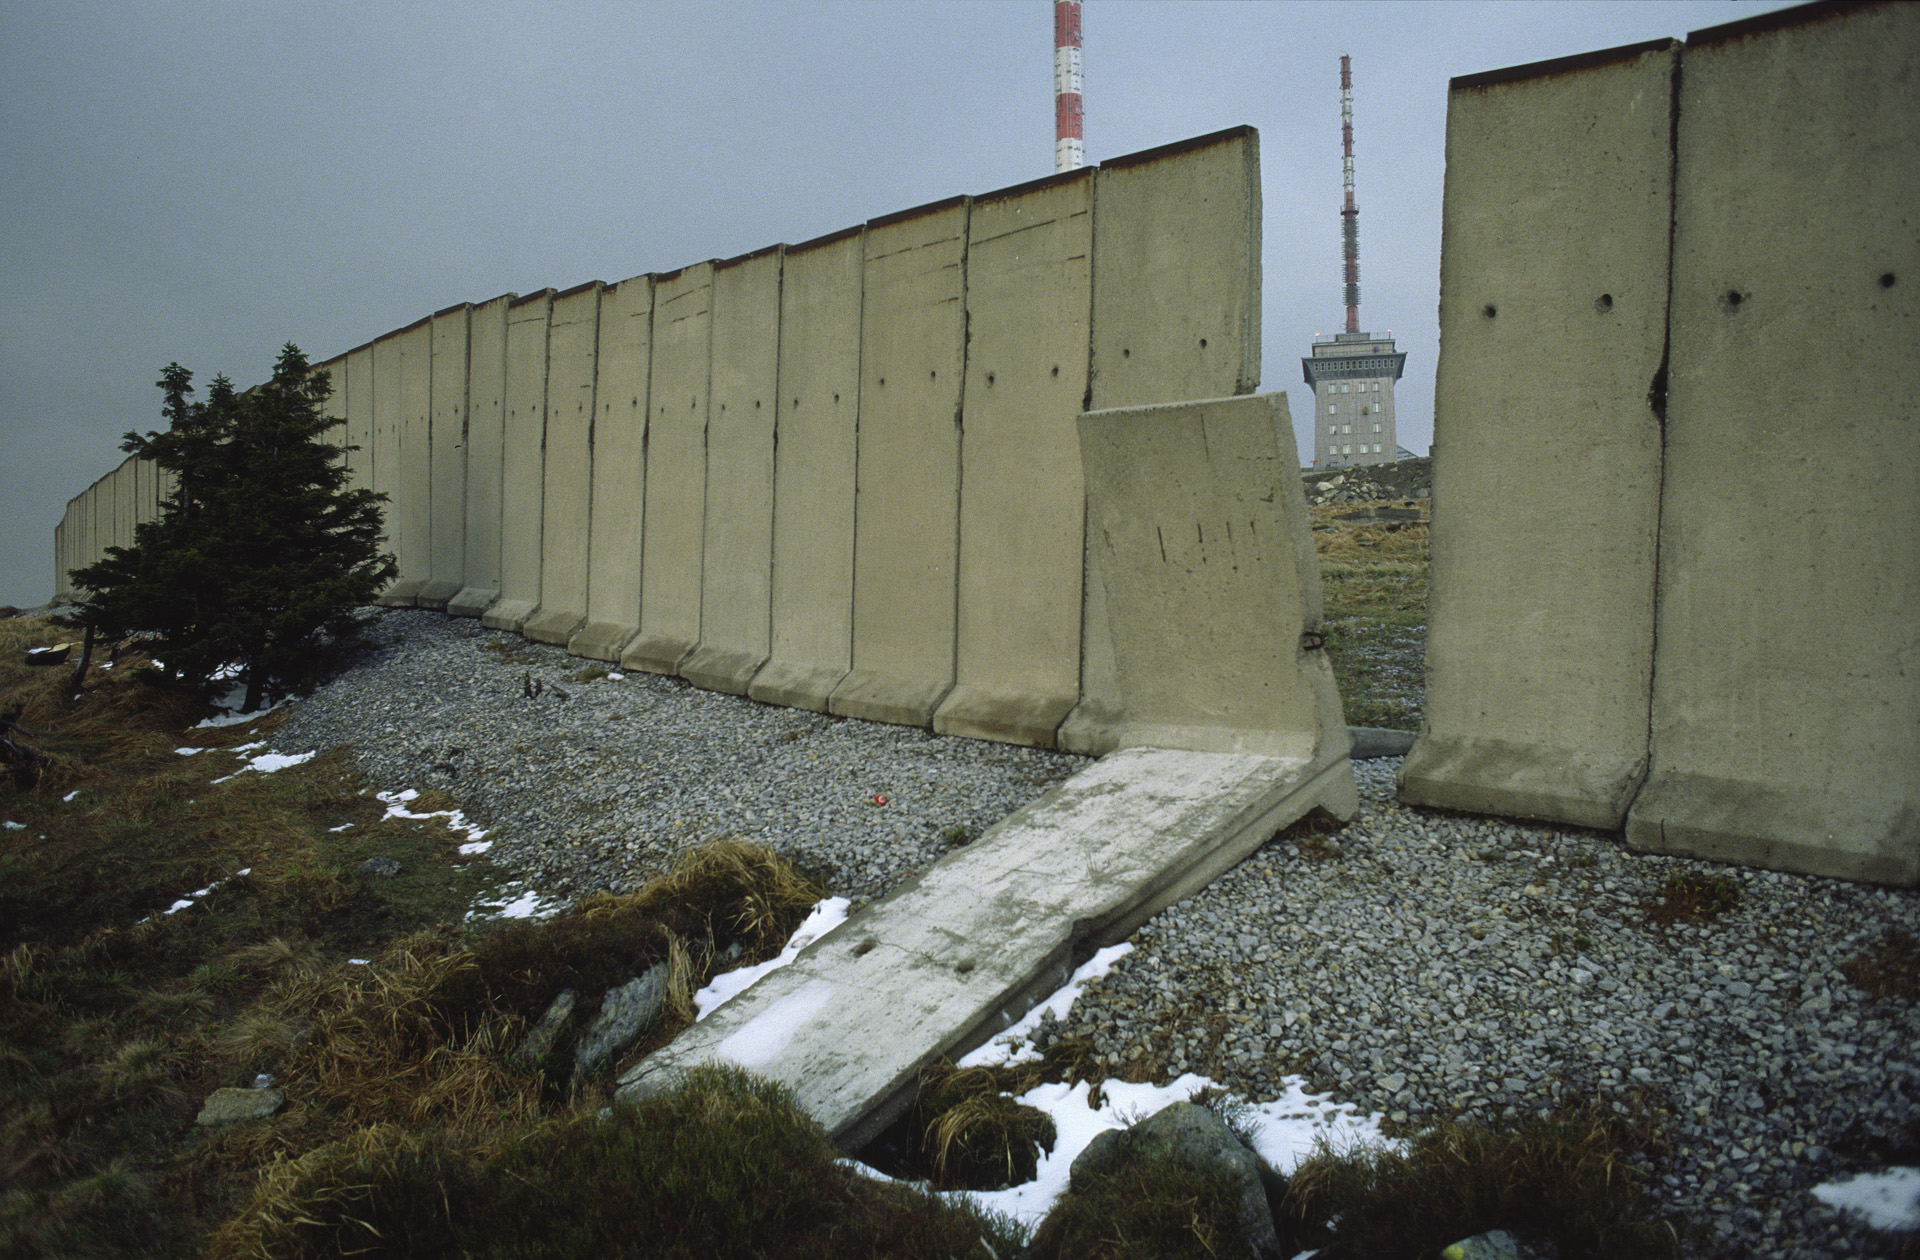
194 896
69 796
360 962
267 763
618 677
341 827
14 826
188 752
396 803
1010 1047
823 918
766 1036
1889 1199
230 701
516 902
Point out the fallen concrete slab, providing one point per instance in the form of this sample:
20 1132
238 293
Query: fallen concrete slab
961 951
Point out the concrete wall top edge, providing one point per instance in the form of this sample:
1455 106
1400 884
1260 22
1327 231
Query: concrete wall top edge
1179 146
932 207
1798 15
422 322
829 239
1161 407
666 277
454 309
1035 185
579 288
645 277
738 259
531 297
1562 65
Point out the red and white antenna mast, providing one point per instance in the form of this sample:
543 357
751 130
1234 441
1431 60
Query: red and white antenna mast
1350 214
1069 148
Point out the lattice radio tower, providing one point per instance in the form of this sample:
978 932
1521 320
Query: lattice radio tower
1350 213
1069 148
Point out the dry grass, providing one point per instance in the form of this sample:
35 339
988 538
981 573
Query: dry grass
1570 1179
1892 970
1373 578
1693 898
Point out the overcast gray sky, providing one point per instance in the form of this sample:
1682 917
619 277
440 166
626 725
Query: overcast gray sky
202 181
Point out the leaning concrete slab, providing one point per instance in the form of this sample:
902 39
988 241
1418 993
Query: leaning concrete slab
1553 316
447 459
737 571
522 479
811 633
1022 506
964 949
619 471
676 490
1176 315
573 341
906 516
1212 585
1786 698
486 434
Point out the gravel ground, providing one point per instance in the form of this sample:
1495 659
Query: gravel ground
1414 963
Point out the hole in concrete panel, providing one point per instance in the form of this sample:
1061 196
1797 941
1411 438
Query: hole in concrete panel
1489 311
1733 299
1886 280
964 967
933 376
1203 343
1056 369
883 380
989 378
865 947
756 404
836 398
1603 303
1125 353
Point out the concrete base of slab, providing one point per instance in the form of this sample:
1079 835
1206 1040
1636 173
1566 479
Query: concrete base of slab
435 595
1756 824
1092 729
718 669
472 601
401 594
1533 780
873 696
553 625
795 686
601 640
962 950
508 614
656 653
1030 718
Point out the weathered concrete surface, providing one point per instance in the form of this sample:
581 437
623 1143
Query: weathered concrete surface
906 519
358 376
737 567
676 488
403 408
1553 312
486 437
1212 586
964 949
1022 505
573 342
811 642
1176 315
522 479
447 459
1786 700
619 471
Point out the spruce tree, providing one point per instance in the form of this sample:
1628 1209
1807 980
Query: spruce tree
261 553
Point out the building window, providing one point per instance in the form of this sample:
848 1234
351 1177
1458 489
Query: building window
1347 451
1333 428
1376 428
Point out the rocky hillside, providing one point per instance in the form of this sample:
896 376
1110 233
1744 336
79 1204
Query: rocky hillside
1408 479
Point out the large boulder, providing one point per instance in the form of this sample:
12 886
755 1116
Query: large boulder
626 1013
1193 1137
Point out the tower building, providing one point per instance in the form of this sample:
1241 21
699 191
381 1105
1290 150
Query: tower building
1353 375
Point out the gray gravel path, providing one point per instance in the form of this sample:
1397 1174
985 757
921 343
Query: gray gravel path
1415 963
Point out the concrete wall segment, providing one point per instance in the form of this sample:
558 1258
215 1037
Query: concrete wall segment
486 432
811 624
447 458
1547 452
1796 364
523 477
357 375
566 505
1022 501
1212 585
737 551
619 471
912 355
672 536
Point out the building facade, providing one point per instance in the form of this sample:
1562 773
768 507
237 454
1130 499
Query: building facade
1352 377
